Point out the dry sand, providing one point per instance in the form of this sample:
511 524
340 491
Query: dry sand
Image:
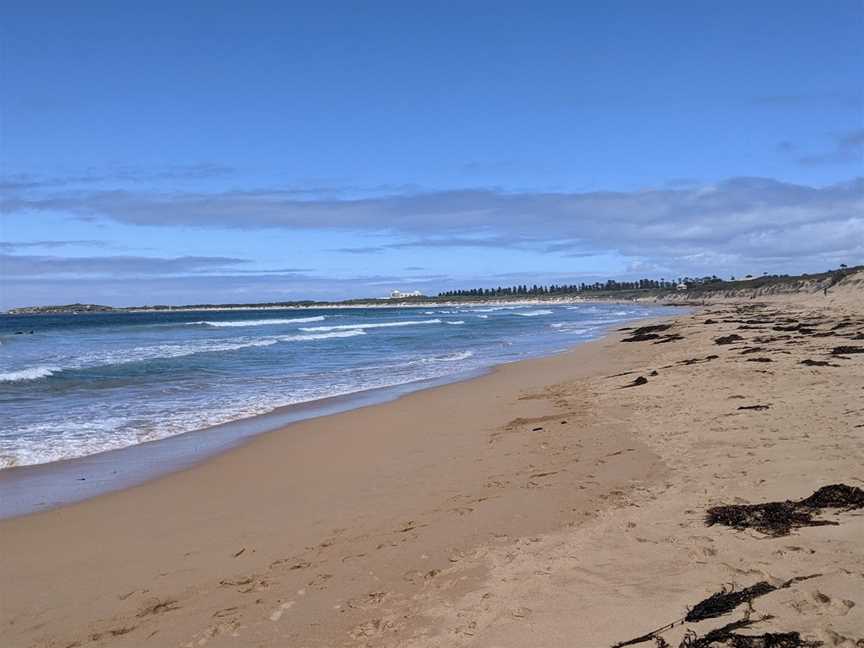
545 504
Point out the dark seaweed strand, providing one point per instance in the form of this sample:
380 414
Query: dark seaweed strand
779 518
716 605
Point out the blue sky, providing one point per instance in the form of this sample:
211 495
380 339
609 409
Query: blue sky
219 152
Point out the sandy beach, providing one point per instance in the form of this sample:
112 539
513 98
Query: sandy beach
559 501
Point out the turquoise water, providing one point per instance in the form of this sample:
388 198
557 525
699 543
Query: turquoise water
82 384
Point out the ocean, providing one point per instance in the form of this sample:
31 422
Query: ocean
76 385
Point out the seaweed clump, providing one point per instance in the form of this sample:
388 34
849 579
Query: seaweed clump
725 637
725 601
728 339
641 380
818 363
838 496
646 333
846 350
717 605
777 519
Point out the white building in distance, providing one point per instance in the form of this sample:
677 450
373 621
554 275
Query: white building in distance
398 294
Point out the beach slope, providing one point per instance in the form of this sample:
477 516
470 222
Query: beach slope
560 501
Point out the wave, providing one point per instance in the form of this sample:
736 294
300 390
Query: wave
534 313
360 327
568 327
32 373
80 436
319 336
449 357
495 308
454 322
454 357
483 316
164 352
261 322
167 351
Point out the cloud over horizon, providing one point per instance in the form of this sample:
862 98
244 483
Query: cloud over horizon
734 223
33 266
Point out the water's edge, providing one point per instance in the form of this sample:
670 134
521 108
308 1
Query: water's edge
40 487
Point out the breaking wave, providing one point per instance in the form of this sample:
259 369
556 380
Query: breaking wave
534 313
361 327
260 322
32 373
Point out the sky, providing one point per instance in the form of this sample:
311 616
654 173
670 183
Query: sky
221 152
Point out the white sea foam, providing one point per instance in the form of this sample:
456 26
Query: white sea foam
450 357
569 328
320 336
199 399
534 313
360 327
455 357
496 308
77 437
165 352
31 373
262 322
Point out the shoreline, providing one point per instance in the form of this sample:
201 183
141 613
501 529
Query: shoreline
75 479
552 501
32 488
372 473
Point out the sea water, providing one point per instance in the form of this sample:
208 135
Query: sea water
83 384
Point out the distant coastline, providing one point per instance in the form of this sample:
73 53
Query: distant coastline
81 309
683 291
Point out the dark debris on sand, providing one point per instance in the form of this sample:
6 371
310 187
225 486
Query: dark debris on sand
720 604
692 361
725 637
646 333
672 337
779 518
726 600
846 350
728 339
755 349
641 380
818 363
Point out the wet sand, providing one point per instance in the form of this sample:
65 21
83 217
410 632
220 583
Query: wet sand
556 502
